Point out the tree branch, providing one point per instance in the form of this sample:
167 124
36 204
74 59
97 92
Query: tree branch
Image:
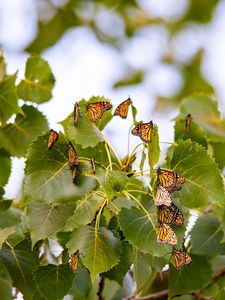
100 289
153 296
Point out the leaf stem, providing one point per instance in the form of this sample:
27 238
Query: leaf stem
97 222
114 152
109 156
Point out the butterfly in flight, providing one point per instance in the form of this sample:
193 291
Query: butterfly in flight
73 261
170 215
180 259
166 235
96 110
53 137
75 114
72 156
170 180
144 131
187 123
122 109
162 197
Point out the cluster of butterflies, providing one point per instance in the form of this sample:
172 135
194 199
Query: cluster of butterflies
169 213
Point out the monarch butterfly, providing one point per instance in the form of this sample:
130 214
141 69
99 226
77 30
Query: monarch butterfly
92 163
53 137
96 110
170 215
74 174
75 113
162 196
72 156
187 123
122 108
180 259
166 235
144 131
73 261
170 180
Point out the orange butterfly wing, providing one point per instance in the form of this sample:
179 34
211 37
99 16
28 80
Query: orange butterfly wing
96 110
180 259
53 137
162 196
122 109
72 156
170 215
73 261
166 235
144 131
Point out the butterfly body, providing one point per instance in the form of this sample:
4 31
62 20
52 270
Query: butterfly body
163 197
170 180
96 110
53 137
144 131
122 109
180 258
187 123
72 156
170 215
73 261
166 235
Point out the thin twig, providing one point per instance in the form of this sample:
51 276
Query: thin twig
100 289
153 296
200 296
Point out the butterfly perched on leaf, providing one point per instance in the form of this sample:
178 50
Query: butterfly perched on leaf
170 215
170 180
75 114
162 197
96 110
180 258
122 109
166 235
53 137
72 156
73 261
144 131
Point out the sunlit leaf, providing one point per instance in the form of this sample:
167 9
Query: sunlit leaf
204 184
4 233
16 137
48 177
153 148
140 228
53 281
2 65
100 249
20 262
8 98
206 236
218 153
191 278
45 220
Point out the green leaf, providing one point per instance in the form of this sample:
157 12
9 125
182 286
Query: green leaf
5 283
119 271
114 183
201 10
48 177
85 133
45 220
153 148
143 273
4 233
190 279
81 285
204 184
99 248
16 137
218 153
20 262
204 111
5 170
195 132
8 98
38 83
134 113
2 65
10 217
5 204
131 78
206 236
53 281
137 226
85 211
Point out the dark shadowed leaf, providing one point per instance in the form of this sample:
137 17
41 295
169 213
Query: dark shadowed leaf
48 177
45 220
218 153
81 284
8 99
206 236
204 184
53 281
5 169
20 262
16 137
99 248
191 278
5 283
